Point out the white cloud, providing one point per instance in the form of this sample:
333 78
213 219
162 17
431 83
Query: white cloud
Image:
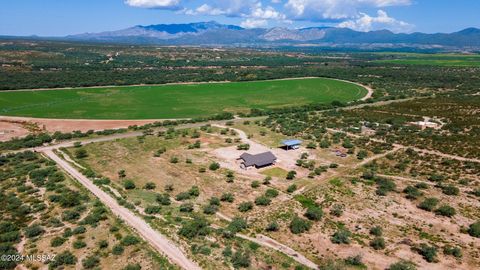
258 13
318 10
253 23
161 4
249 9
382 21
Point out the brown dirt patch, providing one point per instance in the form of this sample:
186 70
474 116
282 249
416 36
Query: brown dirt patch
69 125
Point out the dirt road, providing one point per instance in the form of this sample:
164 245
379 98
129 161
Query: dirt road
420 150
268 242
157 240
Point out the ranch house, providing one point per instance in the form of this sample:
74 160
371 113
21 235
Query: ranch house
257 161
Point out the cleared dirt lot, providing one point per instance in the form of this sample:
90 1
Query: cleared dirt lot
66 125
10 130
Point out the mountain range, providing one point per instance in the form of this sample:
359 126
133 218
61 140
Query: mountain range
213 33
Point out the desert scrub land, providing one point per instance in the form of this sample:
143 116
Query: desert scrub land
45 212
337 211
176 182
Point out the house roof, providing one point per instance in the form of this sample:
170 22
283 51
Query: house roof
291 142
258 160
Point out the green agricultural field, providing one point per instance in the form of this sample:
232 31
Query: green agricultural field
174 101
459 60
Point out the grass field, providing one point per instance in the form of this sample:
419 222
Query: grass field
175 101
460 60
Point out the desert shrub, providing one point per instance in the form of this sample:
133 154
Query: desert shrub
450 190
445 210
262 201
255 184
240 259
271 193
81 153
377 243
428 204
422 185
78 244
291 188
436 178
152 209
474 229
266 180
79 230
186 207
314 213
210 209
402 265
245 206
429 253
377 231
129 184
33 231
341 236
412 192
194 191
132 267
214 166
272 227
337 210
237 224
354 261
182 196
90 262
103 244
227 197
64 258
67 233
453 251
129 240
163 199
57 241
384 186
214 201
118 249
195 227
299 225
291 175
243 147
149 186
227 251
70 215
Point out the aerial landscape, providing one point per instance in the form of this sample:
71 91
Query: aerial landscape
255 134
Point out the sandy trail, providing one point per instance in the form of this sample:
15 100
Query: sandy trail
268 242
157 240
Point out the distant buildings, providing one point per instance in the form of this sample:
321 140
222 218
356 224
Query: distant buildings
257 161
427 123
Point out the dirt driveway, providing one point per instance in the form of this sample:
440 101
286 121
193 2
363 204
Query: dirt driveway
229 155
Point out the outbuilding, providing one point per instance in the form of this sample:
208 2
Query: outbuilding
291 144
258 160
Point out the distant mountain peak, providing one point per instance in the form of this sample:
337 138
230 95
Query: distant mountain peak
469 31
214 33
189 27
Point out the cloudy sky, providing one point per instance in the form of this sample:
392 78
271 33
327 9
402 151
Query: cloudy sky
63 17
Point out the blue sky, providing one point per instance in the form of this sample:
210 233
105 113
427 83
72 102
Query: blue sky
63 17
